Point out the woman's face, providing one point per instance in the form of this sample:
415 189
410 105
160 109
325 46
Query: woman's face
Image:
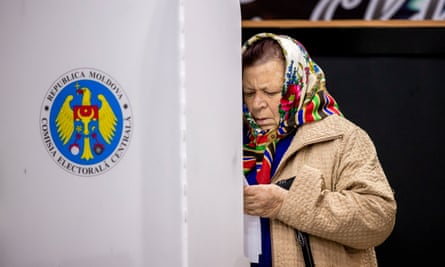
262 84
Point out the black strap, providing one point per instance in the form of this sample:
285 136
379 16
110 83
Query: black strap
302 238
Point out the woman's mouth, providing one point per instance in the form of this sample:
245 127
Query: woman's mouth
261 121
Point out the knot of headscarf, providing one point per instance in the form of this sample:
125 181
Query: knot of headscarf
304 99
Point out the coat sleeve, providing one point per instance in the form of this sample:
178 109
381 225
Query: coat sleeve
358 211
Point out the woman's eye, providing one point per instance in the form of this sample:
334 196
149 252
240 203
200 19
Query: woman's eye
273 93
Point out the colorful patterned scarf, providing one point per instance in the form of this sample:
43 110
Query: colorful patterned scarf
304 99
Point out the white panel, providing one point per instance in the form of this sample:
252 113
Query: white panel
174 198
130 215
213 85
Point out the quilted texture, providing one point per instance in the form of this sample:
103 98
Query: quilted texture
340 197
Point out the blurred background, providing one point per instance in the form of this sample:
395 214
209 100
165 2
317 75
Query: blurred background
384 62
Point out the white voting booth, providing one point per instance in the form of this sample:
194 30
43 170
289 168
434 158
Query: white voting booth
120 133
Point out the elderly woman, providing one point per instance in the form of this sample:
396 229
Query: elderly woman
314 177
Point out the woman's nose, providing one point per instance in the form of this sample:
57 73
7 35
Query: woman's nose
259 101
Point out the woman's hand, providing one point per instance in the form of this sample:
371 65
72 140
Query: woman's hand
263 200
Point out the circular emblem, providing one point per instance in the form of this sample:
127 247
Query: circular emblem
86 122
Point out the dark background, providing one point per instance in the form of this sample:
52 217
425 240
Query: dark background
390 81
298 9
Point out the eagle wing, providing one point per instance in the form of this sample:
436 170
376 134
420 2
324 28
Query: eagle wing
65 121
107 120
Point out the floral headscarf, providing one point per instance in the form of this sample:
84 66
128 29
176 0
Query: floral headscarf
304 99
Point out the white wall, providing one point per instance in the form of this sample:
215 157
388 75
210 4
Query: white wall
174 198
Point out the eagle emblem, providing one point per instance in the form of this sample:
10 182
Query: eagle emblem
83 126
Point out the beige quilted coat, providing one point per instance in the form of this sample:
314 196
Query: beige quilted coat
340 197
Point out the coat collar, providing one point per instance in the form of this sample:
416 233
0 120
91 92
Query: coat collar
319 131
315 132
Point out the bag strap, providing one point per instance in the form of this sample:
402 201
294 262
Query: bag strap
302 238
